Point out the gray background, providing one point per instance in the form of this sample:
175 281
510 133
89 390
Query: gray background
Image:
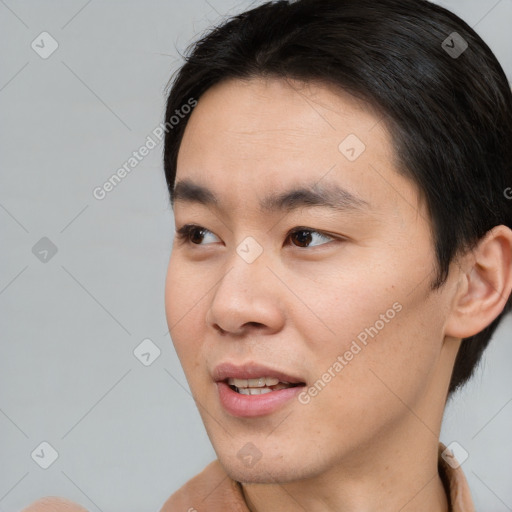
128 435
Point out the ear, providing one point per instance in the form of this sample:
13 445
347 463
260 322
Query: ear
485 284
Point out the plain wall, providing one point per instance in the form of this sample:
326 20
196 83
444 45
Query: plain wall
128 435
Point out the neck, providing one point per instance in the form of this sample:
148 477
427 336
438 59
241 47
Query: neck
402 478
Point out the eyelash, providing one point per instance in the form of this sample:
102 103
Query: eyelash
184 233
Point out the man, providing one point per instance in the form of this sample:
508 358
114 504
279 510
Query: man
343 250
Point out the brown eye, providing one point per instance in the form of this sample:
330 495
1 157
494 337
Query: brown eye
196 235
302 237
192 234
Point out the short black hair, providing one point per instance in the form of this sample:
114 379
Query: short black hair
448 107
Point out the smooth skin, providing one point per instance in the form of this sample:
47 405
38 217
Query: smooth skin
368 440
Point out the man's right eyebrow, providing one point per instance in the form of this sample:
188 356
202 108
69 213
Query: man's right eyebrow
330 196
190 192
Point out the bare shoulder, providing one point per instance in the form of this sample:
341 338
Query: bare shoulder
54 504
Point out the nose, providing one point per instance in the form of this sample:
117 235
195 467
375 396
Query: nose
248 297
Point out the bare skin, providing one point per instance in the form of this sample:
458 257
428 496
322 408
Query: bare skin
368 440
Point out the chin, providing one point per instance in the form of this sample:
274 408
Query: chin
267 471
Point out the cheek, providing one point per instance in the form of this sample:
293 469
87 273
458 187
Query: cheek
365 298
349 304
367 329
185 309
386 365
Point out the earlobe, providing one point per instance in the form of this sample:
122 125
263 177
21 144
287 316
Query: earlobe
485 284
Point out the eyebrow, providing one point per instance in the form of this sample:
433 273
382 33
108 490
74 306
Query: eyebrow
330 196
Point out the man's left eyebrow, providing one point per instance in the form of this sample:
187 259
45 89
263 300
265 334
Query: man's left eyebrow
328 196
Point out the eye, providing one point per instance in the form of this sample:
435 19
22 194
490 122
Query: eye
302 236
190 233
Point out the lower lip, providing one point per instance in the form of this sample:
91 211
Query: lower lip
247 406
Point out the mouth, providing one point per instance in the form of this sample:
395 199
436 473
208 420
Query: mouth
251 390
259 386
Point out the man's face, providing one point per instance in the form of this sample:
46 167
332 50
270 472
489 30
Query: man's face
334 300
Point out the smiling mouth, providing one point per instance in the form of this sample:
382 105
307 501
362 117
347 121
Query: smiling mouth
259 386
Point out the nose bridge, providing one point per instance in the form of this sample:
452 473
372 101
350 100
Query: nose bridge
245 293
250 250
247 273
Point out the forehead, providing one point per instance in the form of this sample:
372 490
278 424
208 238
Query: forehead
280 113
249 137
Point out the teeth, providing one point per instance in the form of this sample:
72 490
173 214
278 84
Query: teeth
256 383
260 382
254 391
239 383
258 386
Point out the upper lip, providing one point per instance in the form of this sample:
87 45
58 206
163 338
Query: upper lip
227 370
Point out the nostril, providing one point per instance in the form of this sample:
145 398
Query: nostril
219 328
258 325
